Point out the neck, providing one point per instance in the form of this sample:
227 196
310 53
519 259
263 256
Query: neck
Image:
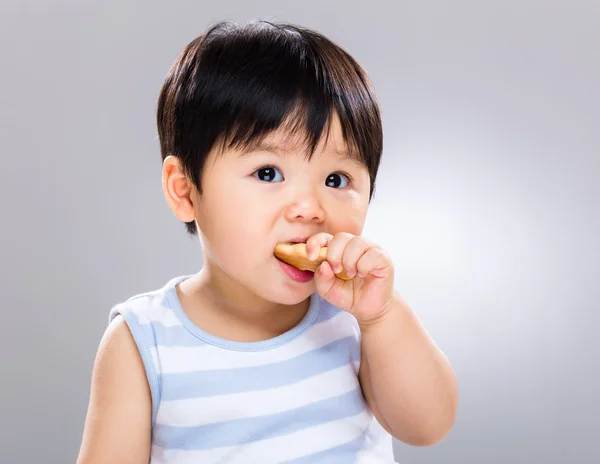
239 305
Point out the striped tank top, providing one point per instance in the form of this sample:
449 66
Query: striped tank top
295 398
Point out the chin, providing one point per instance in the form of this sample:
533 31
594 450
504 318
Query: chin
291 300
271 284
288 294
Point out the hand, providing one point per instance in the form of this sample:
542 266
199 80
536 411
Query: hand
367 296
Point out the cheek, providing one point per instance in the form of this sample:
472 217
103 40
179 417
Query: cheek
350 225
349 218
233 222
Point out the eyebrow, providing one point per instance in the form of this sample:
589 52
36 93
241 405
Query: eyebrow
281 150
265 146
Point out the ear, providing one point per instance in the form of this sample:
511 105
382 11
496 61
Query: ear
178 189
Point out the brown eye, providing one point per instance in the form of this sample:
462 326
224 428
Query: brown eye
268 174
337 180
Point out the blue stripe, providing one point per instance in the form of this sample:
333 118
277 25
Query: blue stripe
179 336
327 312
342 454
247 430
185 385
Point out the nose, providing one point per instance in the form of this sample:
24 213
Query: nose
305 207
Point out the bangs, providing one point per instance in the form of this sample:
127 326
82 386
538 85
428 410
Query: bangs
244 85
293 133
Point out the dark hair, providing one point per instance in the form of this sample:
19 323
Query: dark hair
235 84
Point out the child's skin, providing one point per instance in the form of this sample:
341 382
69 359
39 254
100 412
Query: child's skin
408 383
242 294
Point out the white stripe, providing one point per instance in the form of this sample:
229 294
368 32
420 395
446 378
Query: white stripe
208 357
274 450
200 411
378 447
151 311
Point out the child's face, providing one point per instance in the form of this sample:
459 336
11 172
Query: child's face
253 200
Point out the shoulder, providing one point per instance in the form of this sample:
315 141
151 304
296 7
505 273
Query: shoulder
151 306
146 320
117 425
117 350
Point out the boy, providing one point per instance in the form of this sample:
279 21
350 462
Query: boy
269 134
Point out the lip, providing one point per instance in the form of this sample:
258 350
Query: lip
291 272
297 240
295 274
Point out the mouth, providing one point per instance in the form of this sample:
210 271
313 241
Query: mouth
297 240
292 272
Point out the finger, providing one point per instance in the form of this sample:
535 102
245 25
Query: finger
375 262
352 253
335 250
314 244
324 278
331 288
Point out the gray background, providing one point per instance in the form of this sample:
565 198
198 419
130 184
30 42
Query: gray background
488 199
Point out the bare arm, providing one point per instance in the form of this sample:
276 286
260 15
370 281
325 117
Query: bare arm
408 382
118 423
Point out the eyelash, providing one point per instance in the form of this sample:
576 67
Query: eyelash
343 173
